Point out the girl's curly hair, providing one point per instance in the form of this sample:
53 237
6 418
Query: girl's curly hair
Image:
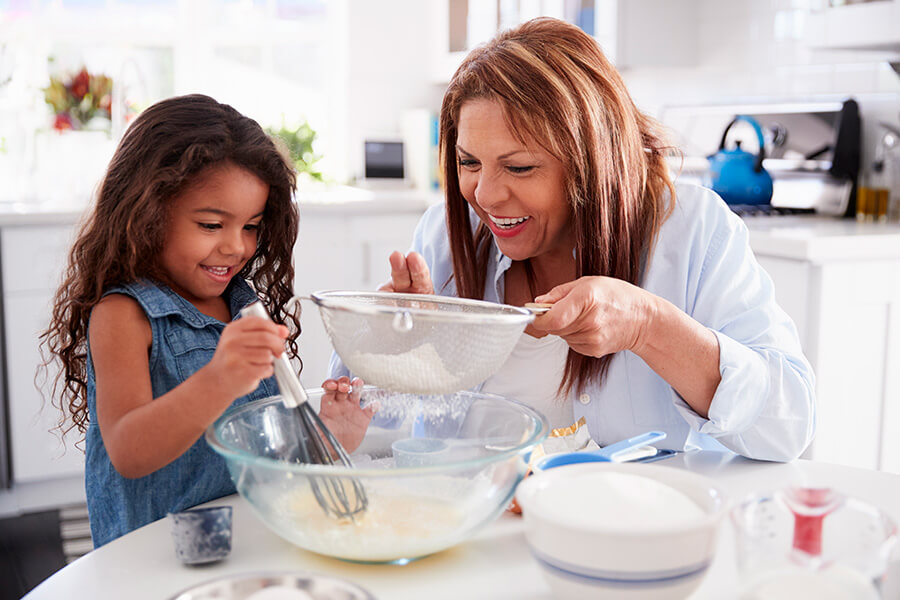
161 153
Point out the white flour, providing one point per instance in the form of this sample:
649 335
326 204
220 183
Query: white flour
396 524
417 371
619 501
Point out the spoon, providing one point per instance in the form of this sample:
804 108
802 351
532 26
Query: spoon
607 454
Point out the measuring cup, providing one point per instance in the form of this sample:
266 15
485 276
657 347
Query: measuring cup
811 543
608 454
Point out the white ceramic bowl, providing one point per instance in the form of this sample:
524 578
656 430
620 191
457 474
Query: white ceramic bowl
586 555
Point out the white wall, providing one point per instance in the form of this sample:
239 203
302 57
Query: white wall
754 50
389 70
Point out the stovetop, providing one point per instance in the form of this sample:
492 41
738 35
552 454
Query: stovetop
767 210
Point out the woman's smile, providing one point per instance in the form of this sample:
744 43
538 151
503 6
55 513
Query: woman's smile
516 187
507 227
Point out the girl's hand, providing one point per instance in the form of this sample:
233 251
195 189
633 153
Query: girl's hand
341 413
597 315
409 275
244 354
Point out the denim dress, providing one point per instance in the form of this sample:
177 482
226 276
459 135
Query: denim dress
184 340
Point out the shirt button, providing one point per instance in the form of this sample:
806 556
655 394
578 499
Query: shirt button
584 398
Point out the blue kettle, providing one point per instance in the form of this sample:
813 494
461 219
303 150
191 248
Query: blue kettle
737 175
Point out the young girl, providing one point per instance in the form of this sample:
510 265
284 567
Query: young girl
194 220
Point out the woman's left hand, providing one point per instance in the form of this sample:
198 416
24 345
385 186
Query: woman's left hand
341 412
597 315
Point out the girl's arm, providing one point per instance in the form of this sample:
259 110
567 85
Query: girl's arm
143 434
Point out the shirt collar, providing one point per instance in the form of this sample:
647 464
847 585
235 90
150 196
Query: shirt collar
238 294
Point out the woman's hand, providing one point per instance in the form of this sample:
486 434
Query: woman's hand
341 413
597 315
409 275
601 315
244 354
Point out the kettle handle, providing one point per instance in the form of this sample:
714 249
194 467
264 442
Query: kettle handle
757 166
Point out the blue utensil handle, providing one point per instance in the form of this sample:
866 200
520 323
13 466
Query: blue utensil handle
637 441
606 454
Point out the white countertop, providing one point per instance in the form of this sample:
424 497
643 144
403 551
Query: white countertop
822 239
811 238
496 564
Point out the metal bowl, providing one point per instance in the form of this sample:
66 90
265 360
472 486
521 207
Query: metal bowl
275 586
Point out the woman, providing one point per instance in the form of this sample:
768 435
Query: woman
558 192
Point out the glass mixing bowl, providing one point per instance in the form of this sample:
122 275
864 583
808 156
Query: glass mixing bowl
416 506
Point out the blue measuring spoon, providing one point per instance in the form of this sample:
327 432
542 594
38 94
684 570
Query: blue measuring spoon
607 454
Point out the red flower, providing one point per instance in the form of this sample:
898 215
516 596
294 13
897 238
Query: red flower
81 84
62 122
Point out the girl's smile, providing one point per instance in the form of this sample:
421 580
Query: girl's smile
211 233
222 274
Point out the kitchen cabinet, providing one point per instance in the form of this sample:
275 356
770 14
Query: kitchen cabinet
841 285
632 33
33 258
873 25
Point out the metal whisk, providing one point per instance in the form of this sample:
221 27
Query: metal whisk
339 497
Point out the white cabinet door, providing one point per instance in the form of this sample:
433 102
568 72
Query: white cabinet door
890 429
848 317
33 258
854 334
37 450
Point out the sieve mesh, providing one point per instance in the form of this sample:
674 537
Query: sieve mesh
420 344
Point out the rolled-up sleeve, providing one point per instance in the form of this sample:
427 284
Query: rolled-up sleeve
764 406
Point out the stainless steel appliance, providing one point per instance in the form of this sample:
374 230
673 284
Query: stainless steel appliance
812 151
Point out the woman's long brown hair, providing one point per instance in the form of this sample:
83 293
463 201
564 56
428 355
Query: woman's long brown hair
161 153
557 89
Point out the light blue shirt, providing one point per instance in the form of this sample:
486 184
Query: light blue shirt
764 405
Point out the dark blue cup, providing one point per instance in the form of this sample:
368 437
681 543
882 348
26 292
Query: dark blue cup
202 535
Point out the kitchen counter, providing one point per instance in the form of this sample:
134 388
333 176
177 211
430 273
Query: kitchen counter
822 239
335 200
798 237
495 564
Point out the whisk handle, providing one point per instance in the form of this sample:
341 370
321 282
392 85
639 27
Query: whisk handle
292 393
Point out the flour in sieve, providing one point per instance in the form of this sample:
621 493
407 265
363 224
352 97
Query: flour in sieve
419 371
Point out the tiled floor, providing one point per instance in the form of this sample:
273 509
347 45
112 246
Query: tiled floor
35 545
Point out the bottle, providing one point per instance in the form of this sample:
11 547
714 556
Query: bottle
872 197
